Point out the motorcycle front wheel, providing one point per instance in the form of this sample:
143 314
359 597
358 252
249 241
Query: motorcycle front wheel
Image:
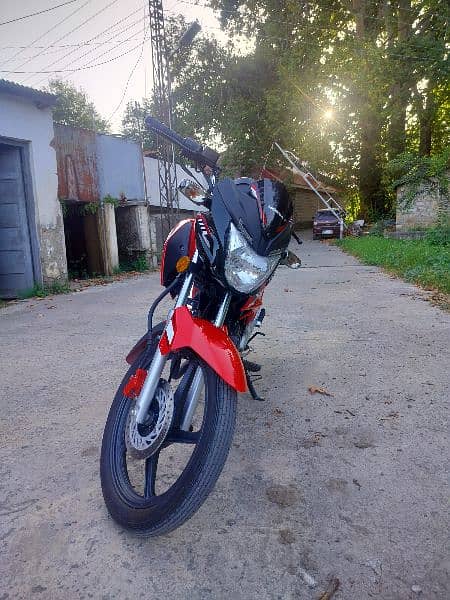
155 495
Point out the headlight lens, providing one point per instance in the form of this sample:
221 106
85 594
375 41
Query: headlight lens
245 270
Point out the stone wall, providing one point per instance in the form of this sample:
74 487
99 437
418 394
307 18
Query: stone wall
425 209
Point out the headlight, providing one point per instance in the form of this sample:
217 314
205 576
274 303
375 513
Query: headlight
245 270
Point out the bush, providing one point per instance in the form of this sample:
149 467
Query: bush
139 264
440 234
41 291
379 227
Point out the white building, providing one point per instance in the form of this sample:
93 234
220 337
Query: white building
32 249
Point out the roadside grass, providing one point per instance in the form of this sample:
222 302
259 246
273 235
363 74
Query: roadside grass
424 262
41 291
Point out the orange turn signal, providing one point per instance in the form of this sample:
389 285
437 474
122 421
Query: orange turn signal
182 264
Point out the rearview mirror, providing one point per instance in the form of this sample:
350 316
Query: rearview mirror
192 190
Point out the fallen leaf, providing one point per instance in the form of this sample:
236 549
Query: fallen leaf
319 390
391 415
332 588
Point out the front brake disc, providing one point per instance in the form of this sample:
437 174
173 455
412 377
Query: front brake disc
144 440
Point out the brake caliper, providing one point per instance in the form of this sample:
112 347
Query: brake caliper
134 385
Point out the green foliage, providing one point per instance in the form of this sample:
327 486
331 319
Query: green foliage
74 107
108 199
139 264
411 170
133 126
418 261
383 71
439 235
379 227
41 291
88 208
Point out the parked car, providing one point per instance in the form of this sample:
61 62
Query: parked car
325 224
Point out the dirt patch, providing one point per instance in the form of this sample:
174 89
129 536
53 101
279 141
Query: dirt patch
283 495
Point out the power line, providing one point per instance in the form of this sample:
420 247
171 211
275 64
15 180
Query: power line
79 68
129 77
44 34
71 31
87 65
94 38
58 47
40 12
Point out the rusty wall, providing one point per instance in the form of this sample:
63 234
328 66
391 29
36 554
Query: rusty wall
76 157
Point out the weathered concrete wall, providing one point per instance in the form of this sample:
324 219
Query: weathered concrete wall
21 120
120 167
425 209
106 224
136 233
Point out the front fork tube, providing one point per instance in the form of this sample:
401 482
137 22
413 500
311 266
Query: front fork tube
198 382
159 360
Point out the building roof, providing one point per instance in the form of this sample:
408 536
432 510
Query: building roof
41 99
296 180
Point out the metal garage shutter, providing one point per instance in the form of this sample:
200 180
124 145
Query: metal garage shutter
16 270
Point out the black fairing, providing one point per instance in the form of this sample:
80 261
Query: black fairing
276 204
176 246
240 202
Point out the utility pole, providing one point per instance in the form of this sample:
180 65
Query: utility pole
162 93
167 174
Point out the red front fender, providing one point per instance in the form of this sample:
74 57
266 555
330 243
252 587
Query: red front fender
211 343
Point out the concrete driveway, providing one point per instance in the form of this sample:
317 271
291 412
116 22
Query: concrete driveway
352 485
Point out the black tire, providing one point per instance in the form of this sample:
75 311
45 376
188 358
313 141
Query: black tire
160 514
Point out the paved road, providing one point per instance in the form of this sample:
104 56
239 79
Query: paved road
352 485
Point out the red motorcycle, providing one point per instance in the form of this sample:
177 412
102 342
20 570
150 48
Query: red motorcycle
171 423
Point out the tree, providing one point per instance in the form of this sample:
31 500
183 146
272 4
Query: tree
133 125
347 85
382 64
74 107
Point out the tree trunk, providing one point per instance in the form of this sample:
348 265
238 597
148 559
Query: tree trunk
397 132
370 184
426 119
400 91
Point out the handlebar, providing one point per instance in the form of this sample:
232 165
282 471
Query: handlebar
190 148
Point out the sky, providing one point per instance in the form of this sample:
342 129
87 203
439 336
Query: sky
73 40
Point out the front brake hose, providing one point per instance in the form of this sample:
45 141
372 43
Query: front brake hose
158 300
